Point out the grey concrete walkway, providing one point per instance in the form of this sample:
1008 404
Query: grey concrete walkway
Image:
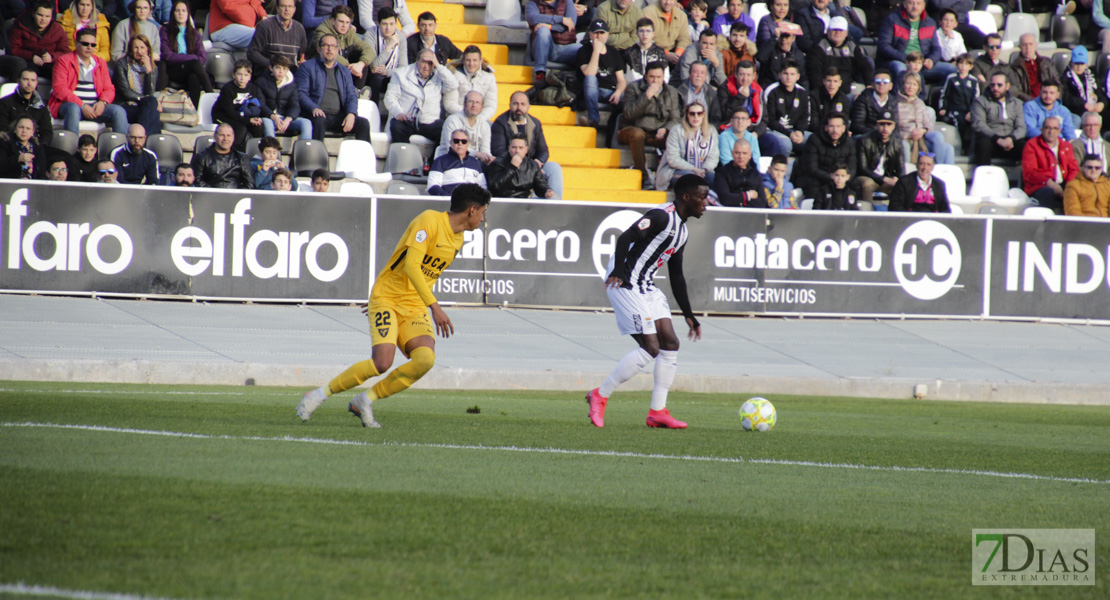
82 339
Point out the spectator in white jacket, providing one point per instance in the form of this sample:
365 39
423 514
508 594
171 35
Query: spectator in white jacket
474 74
470 120
414 98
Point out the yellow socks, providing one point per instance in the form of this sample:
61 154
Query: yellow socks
402 378
353 376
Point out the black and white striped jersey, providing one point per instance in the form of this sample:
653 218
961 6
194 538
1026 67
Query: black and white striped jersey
646 246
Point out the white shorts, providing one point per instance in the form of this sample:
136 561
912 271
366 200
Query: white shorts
636 312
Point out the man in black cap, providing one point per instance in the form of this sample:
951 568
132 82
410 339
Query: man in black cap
602 68
881 160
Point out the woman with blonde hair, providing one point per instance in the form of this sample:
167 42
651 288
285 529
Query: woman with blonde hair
916 122
691 148
134 81
82 14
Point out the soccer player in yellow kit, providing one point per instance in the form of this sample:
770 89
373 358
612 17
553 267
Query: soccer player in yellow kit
399 305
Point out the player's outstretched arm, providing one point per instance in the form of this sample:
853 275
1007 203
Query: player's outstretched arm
443 323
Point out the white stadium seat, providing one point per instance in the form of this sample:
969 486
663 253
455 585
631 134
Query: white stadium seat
954 181
988 180
504 13
357 160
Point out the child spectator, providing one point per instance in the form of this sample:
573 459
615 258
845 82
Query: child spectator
950 41
645 51
84 160
240 105
835 194
780 192
321 181
265 167
915 62
283 180
278 88
959 92
697 10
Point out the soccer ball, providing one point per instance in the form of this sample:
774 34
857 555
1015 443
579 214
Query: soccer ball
757 414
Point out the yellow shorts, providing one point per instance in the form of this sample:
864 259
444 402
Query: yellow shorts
388 327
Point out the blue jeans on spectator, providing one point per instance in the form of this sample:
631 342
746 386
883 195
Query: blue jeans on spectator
937 74
300 125
946 153
594 95
234 35
773 142
554 172
113 115
544 49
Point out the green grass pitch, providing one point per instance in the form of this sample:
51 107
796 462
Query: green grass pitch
526 499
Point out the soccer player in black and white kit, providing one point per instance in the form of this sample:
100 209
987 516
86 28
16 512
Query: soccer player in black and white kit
641 308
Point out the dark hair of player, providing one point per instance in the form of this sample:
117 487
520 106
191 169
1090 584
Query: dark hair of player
687 184
467 195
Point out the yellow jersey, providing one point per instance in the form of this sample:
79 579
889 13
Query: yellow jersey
429 235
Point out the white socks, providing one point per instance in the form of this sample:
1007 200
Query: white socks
626 369
665 366
323 392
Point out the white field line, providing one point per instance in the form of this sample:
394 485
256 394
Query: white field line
568 451
22 589
121 392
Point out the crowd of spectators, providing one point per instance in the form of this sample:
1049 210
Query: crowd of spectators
711 90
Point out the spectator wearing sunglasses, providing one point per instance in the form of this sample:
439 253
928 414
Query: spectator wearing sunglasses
998 122
83 89
1089 194
990 61
873 102
691 148
455 168
106 172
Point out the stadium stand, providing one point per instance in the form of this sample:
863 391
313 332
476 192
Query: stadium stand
595 166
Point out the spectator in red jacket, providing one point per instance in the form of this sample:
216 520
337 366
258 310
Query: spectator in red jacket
76 98
38 39
232 22
1047 165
